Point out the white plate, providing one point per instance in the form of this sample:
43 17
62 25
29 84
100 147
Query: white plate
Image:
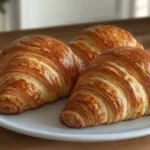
44 123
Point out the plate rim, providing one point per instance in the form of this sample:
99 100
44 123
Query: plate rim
75 138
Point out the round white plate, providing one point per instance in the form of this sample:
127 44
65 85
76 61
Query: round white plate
44 123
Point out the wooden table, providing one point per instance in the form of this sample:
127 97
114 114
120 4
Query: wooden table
14 141
140 28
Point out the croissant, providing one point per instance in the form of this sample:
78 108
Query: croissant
92 41
35 70
115 87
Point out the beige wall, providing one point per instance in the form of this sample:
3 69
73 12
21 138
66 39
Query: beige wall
24 14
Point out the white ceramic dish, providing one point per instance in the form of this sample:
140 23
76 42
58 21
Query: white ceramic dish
44 123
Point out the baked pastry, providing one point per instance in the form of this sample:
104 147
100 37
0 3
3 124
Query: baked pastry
92 41
35 70
39 69
115 87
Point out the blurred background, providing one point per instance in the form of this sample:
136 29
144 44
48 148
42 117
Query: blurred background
28 14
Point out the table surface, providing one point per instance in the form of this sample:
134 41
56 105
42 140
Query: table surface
13 141
140 28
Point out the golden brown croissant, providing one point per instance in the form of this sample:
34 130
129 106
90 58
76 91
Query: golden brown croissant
35 70
38 69
115 87
94 40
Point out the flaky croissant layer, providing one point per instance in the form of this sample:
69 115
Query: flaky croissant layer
115 87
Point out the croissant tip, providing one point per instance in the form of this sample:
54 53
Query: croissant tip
71 119
8 111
